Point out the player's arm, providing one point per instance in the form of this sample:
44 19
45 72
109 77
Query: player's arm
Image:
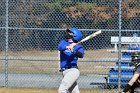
62 45
133 80
78 51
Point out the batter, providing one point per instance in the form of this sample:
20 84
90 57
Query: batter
70 51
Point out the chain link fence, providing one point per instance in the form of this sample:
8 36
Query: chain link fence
30 31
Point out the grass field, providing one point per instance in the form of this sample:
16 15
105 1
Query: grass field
32 90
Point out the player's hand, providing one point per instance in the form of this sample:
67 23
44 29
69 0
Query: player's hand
71 46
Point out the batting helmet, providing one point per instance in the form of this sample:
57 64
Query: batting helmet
77 35
135 59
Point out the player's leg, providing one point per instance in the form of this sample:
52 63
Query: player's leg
70 77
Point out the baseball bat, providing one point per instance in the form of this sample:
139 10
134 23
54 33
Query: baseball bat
90 36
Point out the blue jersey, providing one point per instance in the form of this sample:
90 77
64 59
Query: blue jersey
68 58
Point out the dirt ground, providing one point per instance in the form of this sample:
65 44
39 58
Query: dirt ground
47 62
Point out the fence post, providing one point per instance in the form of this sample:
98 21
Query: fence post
6 44
119 48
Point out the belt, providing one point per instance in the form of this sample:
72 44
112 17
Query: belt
63 69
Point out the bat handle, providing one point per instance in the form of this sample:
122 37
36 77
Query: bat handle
74 44
78 43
